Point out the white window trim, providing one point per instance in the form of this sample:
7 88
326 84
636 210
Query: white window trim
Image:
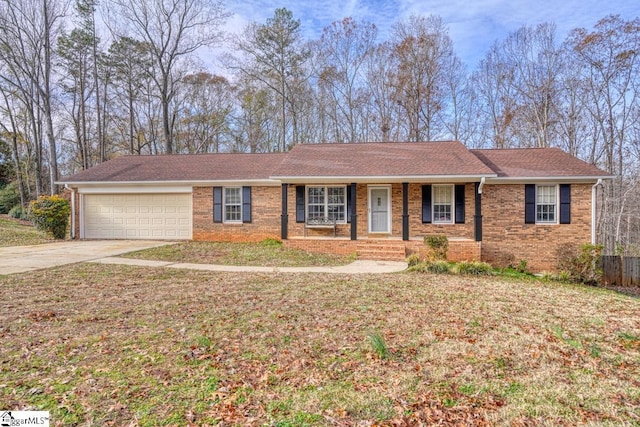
326 201
224 206
452 203
557 205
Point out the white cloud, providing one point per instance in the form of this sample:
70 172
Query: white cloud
473 24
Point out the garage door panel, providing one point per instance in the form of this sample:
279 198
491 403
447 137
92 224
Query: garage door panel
137 216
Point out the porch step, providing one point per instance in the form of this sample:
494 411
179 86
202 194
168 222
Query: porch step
381 250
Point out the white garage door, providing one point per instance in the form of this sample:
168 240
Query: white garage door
137 216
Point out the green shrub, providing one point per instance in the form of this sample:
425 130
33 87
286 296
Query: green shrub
564 276
522 267
581 265
271 242
413 260
476 268
9 197
18 212
438 245
437 267
51 214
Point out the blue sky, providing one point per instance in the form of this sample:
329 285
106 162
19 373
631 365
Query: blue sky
473 24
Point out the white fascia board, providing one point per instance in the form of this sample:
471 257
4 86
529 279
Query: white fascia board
379 179
170 184
135 189
550 179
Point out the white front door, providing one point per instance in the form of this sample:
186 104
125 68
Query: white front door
379 210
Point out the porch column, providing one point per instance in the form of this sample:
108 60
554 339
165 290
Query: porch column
354 212
284 218
405 211
477 218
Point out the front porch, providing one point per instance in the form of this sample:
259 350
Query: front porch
382 221
388 249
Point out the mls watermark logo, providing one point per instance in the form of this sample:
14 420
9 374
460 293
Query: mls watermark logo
24 418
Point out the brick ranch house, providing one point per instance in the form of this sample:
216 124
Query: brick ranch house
376 199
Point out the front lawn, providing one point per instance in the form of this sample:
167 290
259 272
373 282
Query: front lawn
120 345
269 253
19 233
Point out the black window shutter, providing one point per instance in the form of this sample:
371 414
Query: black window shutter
529 203
348 203
300 203
565 203
217 204
459 196
246 204
426 204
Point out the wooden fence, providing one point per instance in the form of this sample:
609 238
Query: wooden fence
620 271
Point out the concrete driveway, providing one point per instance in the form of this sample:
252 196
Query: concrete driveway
19 259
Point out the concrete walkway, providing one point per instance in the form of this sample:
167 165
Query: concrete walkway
356 267
20 259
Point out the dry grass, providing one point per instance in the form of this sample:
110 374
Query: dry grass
116 345
269 253
14 232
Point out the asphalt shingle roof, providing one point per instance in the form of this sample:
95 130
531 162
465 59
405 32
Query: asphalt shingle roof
182 167
392 159
536 163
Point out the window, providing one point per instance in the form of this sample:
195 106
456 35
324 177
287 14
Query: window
326 202
546 202
442 204
232 204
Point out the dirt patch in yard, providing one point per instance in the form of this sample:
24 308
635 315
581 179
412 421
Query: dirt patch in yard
120 345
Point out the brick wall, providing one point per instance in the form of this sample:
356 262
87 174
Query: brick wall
328 246
508 240
458 249
418 229
265 217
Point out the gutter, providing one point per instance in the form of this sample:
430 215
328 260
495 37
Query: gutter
73 211
481 185
594 190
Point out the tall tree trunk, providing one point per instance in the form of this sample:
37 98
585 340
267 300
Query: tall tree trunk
53 155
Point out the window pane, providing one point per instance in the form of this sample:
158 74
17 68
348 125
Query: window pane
232 204
315 202
442 203
442 195
326 202
336 203
546 203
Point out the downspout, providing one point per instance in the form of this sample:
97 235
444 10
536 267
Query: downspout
594 190
481 185
73 211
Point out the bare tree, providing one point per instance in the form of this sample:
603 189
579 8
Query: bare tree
534 56
610 69
28 30
207 108
494 82
341 57
173 31
381 67
424 53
